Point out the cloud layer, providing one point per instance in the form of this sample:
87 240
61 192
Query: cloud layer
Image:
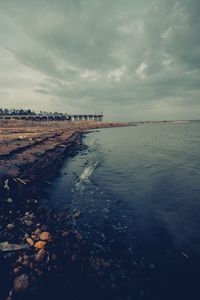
132 59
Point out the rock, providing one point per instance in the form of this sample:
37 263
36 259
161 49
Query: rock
37 231
40 273
21 283
9 200
26 263
65 233
54 257
78 236
40 255
28 222
10 226
20 259
62 215
16 270
40 244
30 242
73 258
45 236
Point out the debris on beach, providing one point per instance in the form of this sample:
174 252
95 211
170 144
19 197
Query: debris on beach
185 255
19 180
5 246
9 200
77 215
6 186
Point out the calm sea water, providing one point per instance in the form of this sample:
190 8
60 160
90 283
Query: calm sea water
138 189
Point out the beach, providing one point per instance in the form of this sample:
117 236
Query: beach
99 213
35 241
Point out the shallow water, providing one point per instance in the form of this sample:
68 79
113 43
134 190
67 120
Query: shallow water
138 189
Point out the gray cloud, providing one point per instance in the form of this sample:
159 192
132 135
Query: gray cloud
133 59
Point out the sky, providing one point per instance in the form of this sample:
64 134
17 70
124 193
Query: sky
130 59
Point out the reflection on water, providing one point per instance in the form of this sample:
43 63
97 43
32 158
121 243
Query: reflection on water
138 191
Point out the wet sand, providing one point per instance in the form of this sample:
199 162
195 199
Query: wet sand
39 247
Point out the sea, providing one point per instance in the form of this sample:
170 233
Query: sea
138 191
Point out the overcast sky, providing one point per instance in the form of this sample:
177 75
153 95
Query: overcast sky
131 59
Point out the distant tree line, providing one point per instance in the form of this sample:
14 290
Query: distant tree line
27 112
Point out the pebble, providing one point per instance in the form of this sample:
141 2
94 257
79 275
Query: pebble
10 226
45 236
16 270
73 258
21 283
40 255
9 200
26 263
37 231
65 233
78 236
30 242
28 222
40 244
40 273
54 257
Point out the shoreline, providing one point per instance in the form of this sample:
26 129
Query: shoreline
25 144
35 241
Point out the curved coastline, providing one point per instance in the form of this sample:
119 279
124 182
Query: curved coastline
36 242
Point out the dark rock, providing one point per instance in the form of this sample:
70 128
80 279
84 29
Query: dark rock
21 283
40 255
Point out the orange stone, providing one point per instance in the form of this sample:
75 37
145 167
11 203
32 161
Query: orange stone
45 236
40 245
